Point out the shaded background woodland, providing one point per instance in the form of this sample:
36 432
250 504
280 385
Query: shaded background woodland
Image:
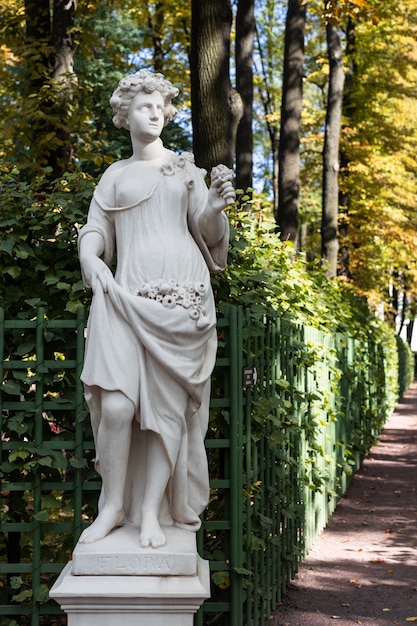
313 103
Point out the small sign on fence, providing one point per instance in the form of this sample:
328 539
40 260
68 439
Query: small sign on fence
249 376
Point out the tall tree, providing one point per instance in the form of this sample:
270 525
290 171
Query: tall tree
348 114
245 30
50 81
382 181
290 125
216 106
269 29
330 208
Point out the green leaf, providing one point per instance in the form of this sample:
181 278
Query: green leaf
24 595
41 516
50 501
281 383
18 454
33 302
13 271
78 463
222 579
16 423
25 348
243 571
46 461
51 279
265 521
16 582
41 593
73 306
6 245
11 387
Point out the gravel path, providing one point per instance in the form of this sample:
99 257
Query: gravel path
363 568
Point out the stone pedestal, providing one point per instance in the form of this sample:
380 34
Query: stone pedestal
114 582
120 554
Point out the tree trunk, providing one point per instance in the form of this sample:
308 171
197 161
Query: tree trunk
290 127
51 82
38 38
330 206
216 107
62 41
347 108
274 135
410 327
245 31
64 81
156 25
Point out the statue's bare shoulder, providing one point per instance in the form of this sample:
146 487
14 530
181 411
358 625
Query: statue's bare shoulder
107 185
126 181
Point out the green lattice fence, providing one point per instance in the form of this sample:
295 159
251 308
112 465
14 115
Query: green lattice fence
280 453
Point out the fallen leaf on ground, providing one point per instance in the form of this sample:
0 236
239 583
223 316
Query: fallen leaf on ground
411 619
389 571
378 561
386 609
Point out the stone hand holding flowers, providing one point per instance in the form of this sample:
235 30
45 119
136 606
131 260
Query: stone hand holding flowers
222 182
221 194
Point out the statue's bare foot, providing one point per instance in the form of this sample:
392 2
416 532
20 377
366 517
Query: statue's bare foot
151 534
106 520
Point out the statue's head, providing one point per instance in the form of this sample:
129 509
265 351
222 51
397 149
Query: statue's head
143 81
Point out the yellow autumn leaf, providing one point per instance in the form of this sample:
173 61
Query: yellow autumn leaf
411 619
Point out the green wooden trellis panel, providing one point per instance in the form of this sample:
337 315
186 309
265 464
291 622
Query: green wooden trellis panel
264 512
49 369
224 533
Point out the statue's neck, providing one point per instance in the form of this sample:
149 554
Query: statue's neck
147 151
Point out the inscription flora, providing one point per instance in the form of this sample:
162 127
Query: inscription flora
147 564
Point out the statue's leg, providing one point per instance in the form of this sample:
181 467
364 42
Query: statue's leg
113 445
157 475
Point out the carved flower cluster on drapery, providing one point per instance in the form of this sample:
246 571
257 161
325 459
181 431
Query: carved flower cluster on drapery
171 293
177 165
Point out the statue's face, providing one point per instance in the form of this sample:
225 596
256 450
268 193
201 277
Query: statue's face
146 116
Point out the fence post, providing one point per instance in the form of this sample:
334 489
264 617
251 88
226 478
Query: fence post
37 487
78 425
236 460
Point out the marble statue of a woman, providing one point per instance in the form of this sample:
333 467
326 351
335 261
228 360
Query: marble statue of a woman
151 338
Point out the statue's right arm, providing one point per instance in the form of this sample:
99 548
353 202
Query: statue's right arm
91 244
93 267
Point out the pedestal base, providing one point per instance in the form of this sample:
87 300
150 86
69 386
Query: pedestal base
132 600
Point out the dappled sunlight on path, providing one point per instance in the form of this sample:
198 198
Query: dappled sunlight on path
363 568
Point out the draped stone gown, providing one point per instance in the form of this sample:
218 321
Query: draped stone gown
152 335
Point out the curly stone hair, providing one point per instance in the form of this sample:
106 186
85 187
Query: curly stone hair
142 81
